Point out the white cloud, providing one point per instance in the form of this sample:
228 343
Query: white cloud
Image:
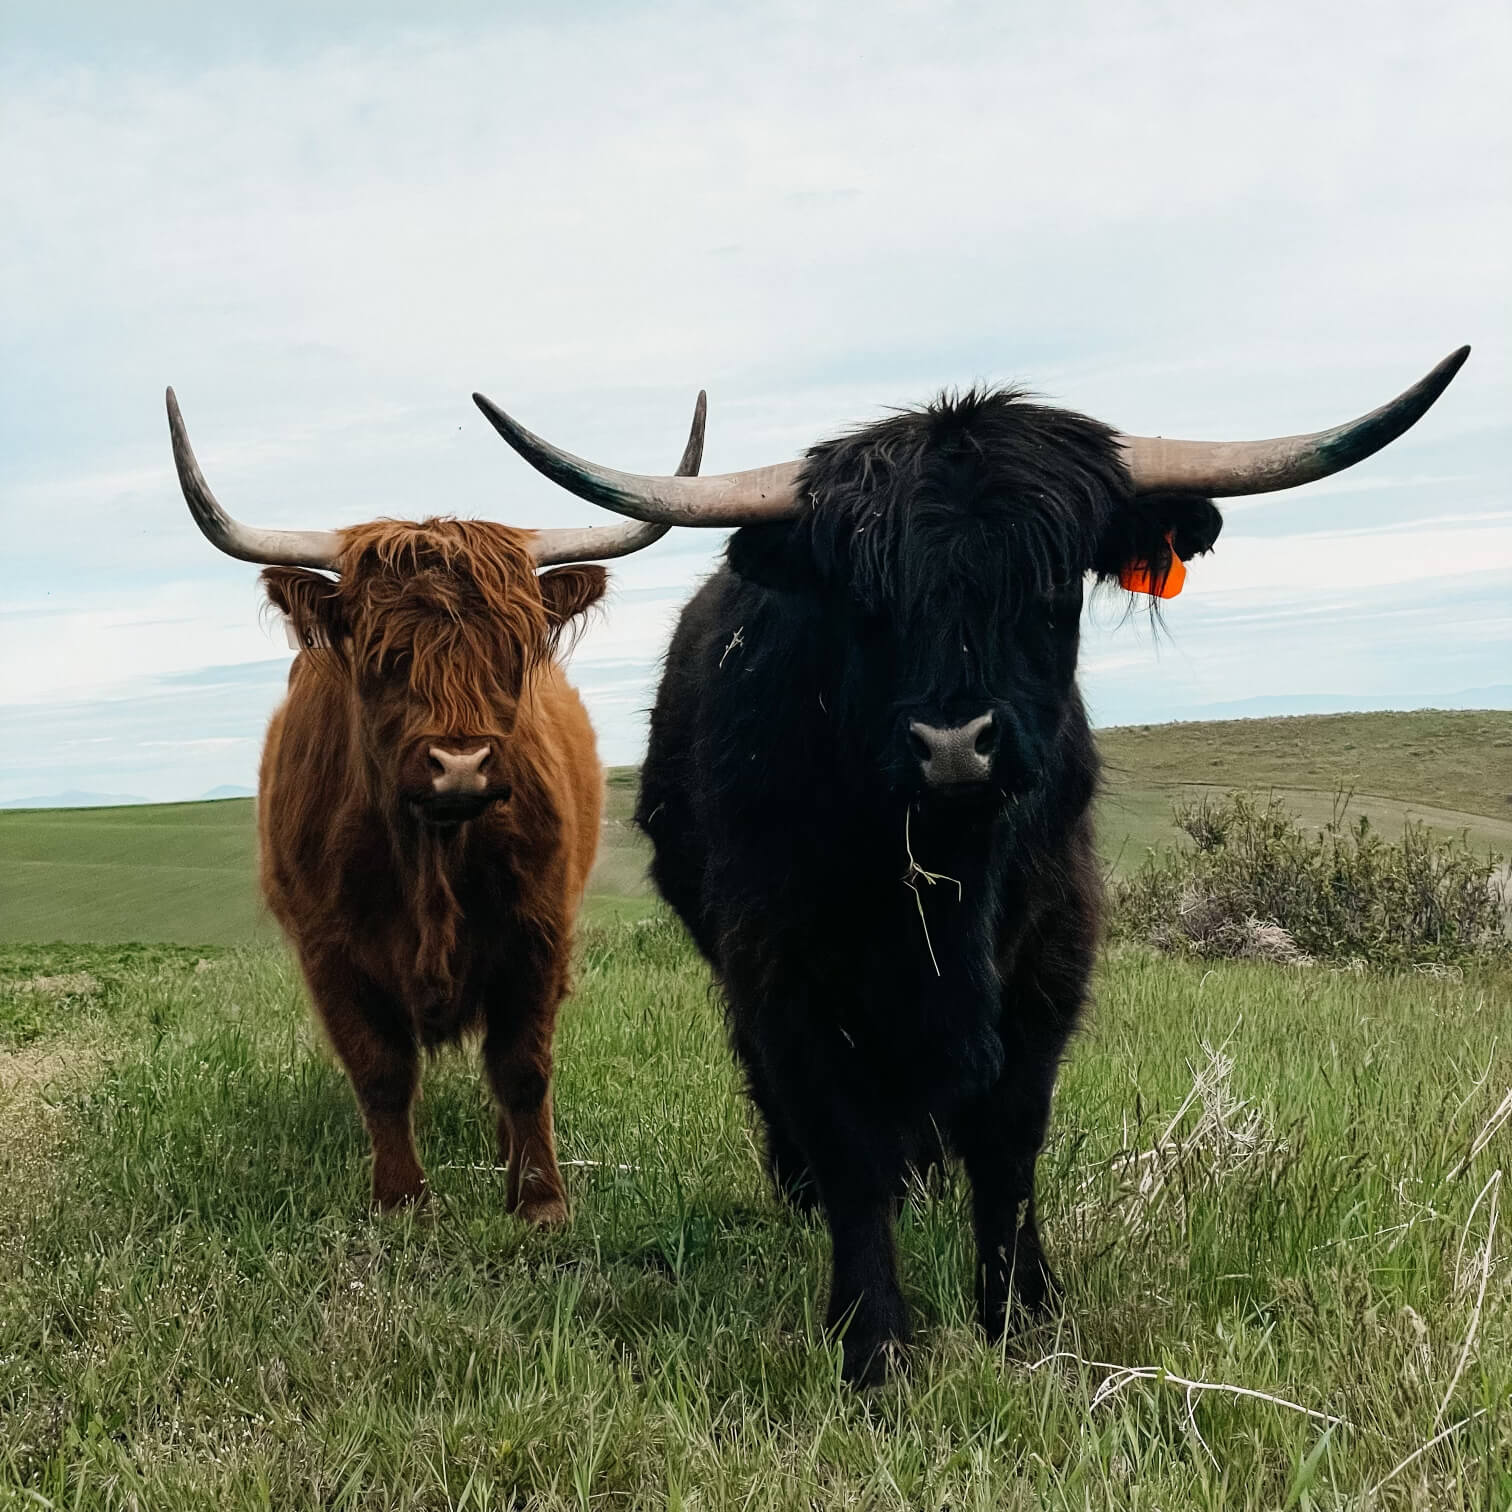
1327 562
1201 220
80 647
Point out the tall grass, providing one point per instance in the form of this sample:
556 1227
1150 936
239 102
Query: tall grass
1273 1197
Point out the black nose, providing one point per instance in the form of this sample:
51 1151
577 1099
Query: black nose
960 756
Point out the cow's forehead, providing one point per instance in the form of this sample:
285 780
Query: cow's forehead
480 550
948 557
980 491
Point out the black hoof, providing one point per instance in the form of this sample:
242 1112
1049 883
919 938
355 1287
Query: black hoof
866 1364
1035 1299
794 1186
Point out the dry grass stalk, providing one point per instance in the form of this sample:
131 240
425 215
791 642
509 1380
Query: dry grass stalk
1487 1134
1422 1449
1493 1186
1121 1375
1227 1133
916 874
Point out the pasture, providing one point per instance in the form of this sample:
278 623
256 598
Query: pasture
185 873
1275 1197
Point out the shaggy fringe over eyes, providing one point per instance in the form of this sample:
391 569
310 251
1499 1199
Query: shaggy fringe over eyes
931 500
1045 481
454 604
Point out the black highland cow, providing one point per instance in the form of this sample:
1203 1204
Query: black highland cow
870 781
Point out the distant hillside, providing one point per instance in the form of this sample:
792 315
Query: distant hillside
1112 706
74 799
186 872
1459 760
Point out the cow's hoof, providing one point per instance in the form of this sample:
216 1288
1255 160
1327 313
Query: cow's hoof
1003 1318
400 1199
798 1192
1037 1296
866 1364
543 1212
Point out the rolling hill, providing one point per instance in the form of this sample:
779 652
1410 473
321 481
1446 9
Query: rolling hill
186 872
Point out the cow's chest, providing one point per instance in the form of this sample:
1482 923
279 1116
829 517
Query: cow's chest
442 942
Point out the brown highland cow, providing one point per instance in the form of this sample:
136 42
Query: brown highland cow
429 803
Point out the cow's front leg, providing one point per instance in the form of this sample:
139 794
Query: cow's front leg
375 1044
785 1161
1000 1137
857 1164
518 1058
866 1302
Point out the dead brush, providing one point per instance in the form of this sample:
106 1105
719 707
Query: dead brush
1207 928
1252 882
71 984
1500 888
1227 1134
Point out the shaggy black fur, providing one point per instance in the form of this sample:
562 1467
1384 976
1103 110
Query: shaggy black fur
936 575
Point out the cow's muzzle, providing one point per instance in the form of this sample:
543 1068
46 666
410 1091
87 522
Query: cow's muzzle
461 785
956 759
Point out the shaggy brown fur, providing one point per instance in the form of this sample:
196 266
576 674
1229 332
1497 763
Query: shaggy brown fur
412 933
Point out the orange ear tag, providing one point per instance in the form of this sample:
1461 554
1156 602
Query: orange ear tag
1138 578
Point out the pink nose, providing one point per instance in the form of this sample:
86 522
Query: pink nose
459 774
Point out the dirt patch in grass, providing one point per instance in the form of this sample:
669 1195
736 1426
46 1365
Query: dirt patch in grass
34 1085
36 1067
69 984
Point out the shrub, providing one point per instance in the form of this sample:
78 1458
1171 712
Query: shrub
1254 882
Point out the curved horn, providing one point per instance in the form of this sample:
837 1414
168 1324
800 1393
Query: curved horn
1217 468
597 543
1227 468
249 543
764 493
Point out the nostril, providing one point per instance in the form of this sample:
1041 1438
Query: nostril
918 747
436 766
485 760
986 739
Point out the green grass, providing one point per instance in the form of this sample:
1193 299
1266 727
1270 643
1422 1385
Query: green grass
179 872
185 873
1262 1180
196 1309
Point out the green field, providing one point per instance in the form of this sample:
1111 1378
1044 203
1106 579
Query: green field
1452 771
1276 1198
1260 1180
185 872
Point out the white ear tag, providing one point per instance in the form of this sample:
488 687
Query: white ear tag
295 643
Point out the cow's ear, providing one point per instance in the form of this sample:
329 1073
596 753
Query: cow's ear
1146 528
311 604
775 556
568 591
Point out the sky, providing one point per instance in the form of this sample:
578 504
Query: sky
326 226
